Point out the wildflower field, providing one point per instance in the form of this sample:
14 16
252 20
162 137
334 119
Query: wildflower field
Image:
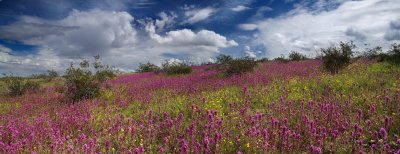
293 107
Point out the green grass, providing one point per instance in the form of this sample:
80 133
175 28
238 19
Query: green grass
359 82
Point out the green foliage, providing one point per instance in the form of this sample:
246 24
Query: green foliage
17 86
296 56
282 59
394 54
262 60
147 67
52 74
373 53
231 66
175 68
224 59
336 58
82 83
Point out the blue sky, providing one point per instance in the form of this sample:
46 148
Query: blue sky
36 35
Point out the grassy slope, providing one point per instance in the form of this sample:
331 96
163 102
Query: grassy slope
362 84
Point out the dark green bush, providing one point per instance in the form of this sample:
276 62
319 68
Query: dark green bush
282 59
175 68
147 67
394 54
231 66
224 59
241 65
336 58
262 60
52 74
296 56
82 83
17 86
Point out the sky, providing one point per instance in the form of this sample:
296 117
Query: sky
38 35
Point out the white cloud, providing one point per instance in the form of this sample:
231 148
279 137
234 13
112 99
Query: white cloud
165 21
79 34
261 11
4 49
110 34
248 52
196 46
364 22
4 54
197 15
248 27
240 8
186 37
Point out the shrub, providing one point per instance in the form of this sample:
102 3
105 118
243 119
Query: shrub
336 58
394 53
241 65
147 67
372 53
17 86
282 59
231 66
296 56
175 68
224 59
81 83
262 60
52 74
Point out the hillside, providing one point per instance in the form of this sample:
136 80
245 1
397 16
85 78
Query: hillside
292 107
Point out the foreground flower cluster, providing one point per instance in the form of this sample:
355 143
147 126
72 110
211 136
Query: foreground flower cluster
279 108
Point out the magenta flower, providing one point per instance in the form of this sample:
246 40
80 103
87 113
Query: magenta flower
383 133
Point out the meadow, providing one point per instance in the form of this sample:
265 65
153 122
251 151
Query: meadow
293 107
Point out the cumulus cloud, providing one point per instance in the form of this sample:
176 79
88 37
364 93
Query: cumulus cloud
307 30
166 21
186 37
4 49
248 52
201 44
197 15
240 8
248 27
27 64
79 34
83 34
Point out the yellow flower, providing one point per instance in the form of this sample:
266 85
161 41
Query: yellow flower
248 145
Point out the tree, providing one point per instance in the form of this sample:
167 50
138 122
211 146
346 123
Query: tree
231 66
81 83
147 67
175 68
52 74
296 56
336 58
